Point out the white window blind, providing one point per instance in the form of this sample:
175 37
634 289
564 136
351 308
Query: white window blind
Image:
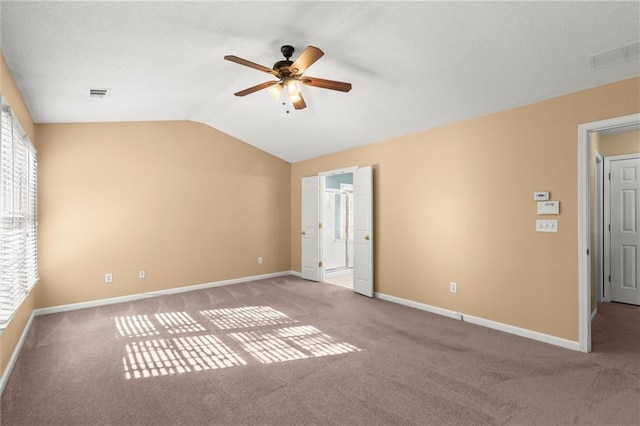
18 214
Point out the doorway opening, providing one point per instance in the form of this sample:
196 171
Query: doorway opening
585 197
337 230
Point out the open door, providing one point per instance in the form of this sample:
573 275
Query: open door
310 227
624 233
363 231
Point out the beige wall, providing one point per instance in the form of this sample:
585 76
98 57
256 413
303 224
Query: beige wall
11 334
184 202
456 204
619 144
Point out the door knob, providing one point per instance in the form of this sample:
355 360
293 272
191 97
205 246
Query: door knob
303 233
366 237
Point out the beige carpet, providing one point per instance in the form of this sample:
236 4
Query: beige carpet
291 352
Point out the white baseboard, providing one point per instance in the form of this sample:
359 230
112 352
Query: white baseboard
139 296
14 356
511 329
594 314
417 305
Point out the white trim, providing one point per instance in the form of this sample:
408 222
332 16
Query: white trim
523 332
417 305
338 171
598 250
139 296
506 328
606 255
14 356
584 226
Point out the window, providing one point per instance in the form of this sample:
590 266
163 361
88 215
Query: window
18 203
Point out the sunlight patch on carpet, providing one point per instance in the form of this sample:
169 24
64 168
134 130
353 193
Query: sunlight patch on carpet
246 317
290 343
179 322
135 326
165 357
183 345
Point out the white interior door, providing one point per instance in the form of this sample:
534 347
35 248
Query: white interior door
363 231
310 226
625 232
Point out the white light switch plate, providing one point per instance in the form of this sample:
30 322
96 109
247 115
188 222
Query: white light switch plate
546 225
548 207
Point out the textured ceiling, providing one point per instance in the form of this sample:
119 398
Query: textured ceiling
413 65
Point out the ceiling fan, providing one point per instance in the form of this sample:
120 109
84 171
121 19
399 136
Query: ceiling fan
289 75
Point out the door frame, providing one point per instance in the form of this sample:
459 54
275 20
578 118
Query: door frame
584 224
607 220
598 220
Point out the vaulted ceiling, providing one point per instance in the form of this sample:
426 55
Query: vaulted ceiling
413 65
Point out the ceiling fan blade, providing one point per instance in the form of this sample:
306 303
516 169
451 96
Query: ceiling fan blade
307 58
249 64
299 104
255 88
326 84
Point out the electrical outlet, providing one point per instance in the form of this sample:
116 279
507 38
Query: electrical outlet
108 277
260 260
142 275
453 287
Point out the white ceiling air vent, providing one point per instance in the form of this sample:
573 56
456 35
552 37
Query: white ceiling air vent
99 93
616 56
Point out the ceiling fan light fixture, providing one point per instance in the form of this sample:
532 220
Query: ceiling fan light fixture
293 88
289 76
276 91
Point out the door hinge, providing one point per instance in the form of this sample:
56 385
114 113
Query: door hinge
609 278
320 264
609 176
320 226
609 227
587 252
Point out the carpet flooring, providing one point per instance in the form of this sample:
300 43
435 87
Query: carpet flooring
285 351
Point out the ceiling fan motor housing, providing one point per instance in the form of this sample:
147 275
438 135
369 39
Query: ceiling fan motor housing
282 67
287 51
